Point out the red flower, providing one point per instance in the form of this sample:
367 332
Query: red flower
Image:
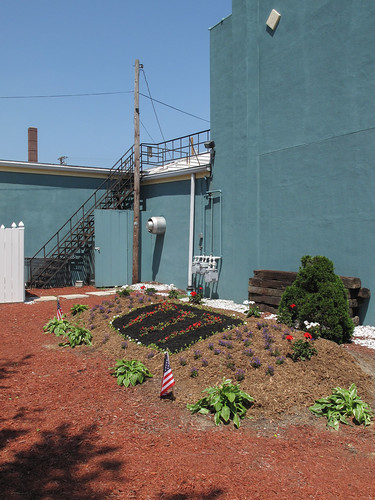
292 306
193 294
200 288
308 335
289 337
143 287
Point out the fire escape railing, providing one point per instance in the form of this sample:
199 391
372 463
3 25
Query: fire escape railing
115 192
155 155
78 230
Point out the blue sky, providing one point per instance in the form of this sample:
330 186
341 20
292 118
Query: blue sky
54 47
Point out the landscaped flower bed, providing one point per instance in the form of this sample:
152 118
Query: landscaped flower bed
172 326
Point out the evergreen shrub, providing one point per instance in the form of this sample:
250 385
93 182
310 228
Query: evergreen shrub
318 295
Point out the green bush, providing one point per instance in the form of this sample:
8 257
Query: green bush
318 295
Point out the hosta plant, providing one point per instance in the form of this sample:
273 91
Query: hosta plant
78 308
78 336
57 326
226 401
341 405
130 372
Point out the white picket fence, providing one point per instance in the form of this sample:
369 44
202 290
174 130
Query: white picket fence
12 268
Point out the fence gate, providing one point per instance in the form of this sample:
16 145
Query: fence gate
12 270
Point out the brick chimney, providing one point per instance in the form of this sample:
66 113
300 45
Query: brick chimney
33 144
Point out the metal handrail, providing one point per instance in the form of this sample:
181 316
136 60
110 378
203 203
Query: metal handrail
115 176
150 154
175 149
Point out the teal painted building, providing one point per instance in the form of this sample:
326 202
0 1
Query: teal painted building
43 196
293 121
293 117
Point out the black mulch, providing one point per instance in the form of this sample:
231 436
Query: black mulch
172 326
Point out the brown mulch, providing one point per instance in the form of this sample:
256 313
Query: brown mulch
68 430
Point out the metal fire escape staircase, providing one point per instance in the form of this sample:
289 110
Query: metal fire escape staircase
50 265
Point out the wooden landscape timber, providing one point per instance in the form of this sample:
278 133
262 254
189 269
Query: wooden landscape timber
267 287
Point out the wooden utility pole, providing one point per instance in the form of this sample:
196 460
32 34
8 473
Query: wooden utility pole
136 176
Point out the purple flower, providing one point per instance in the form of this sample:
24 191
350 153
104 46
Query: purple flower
124 344
217 351
255 362
248 352
204 362
270 370
239 375
194 372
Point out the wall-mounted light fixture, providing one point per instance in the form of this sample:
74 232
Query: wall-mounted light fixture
273 19
209 144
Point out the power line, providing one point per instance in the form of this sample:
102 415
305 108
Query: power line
100 94
176 109
152 102
65 95
147 132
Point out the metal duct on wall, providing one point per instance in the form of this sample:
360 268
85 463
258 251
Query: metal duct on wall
156 225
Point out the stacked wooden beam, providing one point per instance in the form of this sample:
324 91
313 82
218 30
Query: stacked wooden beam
267 287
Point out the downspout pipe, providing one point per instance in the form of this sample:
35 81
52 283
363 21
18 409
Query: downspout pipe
191 232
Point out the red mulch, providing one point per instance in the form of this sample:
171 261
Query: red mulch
68 431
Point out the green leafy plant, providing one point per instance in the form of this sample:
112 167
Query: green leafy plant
195 298
302 350
78 335
150 291
124 292
317 296
57 326
226 401
253 312
341 405
130 372
78 308
173 294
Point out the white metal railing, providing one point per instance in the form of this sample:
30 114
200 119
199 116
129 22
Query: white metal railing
12 271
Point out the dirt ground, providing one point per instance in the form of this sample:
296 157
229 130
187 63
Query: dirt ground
68 430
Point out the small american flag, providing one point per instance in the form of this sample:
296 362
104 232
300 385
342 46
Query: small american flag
59 313
168 380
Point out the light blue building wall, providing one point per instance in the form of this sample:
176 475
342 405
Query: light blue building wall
164 258
293 119
42 201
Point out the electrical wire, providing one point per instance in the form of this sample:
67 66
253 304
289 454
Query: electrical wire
100 94
65 95
152 102
147 132
176 109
